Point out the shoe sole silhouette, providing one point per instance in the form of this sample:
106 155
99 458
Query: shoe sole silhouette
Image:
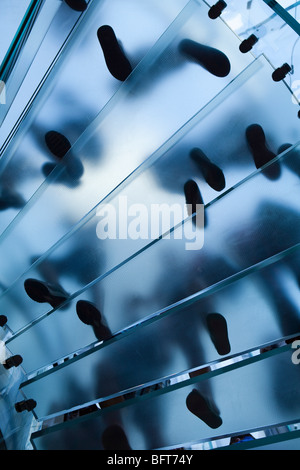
59 146
90 315
57 143
77 5
217 327
42 292
115 59
212 174
256 140
211 59
63 178
193 198
197 405
10 200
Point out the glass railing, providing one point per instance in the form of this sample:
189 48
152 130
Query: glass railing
12 15
263 30
15 428
24 47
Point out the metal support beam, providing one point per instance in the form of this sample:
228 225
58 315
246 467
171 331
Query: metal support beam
282 12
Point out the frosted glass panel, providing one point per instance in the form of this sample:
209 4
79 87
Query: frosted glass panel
140 330
143 108
265 308
63 265
80 83
237 401
232 242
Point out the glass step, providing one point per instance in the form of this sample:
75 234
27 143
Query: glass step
87 228
88 87
253 310
156 294
100 173
283 436
156 369
231 244
237 398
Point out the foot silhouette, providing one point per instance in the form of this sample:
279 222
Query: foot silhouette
77 5
193 198
262 155
59 146
217 327
212 174
43 292
57 143
280 73
200 407
212 60
10 200
90 315
115 58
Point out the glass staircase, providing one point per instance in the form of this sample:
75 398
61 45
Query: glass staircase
180 338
